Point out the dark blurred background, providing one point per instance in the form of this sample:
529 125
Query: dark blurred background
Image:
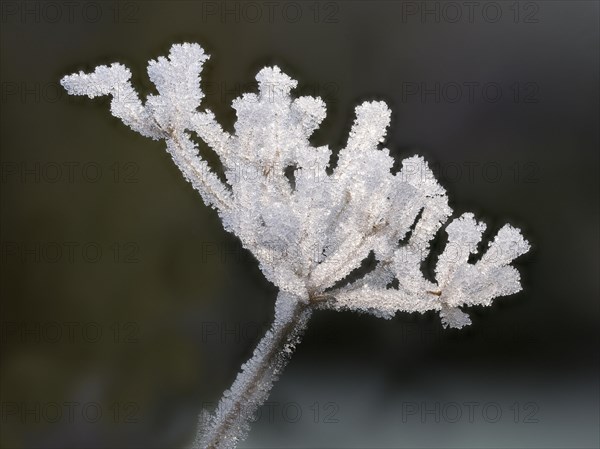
126 308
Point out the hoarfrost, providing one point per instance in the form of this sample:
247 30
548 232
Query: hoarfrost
309 234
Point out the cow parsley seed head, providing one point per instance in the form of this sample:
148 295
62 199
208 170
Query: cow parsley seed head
310 225
310 234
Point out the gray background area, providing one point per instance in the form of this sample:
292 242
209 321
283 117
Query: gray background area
126 307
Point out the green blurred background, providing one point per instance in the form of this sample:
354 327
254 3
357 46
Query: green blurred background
126 308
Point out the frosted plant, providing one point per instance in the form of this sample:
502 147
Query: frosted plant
308 225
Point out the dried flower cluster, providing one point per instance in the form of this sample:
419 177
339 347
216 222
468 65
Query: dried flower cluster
310 225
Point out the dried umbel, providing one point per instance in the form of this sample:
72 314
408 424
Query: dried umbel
309 225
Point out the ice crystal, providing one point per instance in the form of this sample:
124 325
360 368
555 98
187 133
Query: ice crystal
310 225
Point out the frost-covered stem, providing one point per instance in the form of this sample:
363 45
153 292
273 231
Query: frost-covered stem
197 171
253 384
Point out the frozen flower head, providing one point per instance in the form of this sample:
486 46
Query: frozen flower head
310 225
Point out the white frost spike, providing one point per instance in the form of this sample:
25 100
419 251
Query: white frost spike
307 229
464 234
177 80
454 317
372 120
114 81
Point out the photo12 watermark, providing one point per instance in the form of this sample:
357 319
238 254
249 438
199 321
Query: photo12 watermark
69 332
470 412
68 172
27 12
225 93
69 412
291 412
69 252
470 12
270 12
470 92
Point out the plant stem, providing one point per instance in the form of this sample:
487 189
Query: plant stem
253 384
